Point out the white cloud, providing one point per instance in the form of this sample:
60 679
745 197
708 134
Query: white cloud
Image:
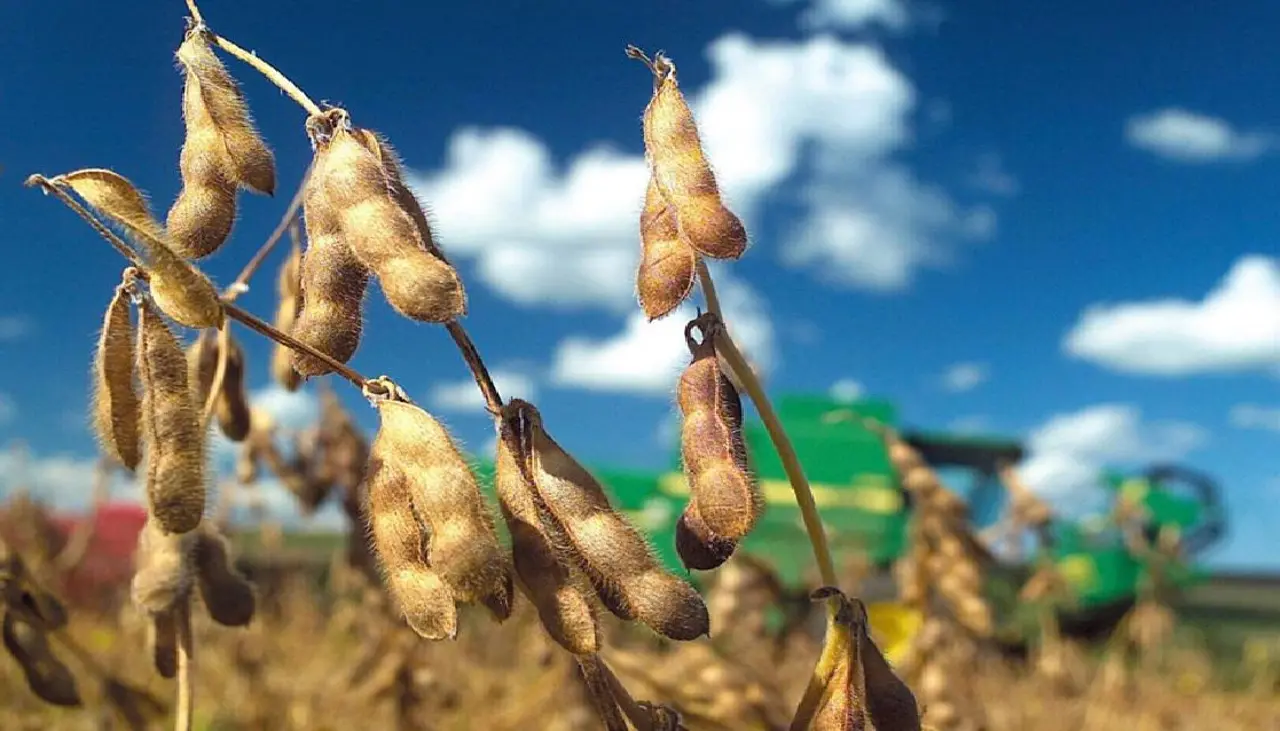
962 377
463 395
1190 137
1253 416
62 481
543 233
852 14
1066 454
990 176
846 390
1235 327
647 357
15 327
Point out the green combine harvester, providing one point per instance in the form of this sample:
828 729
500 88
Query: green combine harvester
866 513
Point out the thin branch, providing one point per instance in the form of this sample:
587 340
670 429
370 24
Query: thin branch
264 68
241 285
219 374
118 243
184 719
262 328
492 400
632 710
195 12
786 452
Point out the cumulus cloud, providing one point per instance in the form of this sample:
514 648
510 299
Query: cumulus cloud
1236 327
646 357
852 14
463 395
990 176
1066 454
1254 416
1190 137
846 390
8 409
63 481
819 113
962 377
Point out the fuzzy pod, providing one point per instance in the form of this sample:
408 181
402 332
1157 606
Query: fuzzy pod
383 235
228 596
398 537
557 591
231 408
162 640
862 691
252 164
715 456
698 547
682 171
332 281
180 290
116 406
45 674
163 574
289 289
610 551
413 450
170 427
668 264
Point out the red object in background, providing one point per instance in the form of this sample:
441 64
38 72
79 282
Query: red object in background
108 560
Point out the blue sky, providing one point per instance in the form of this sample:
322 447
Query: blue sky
1051 220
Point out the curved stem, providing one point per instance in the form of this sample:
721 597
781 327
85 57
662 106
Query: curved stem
195 12
262 328
240 285
492 400
118 243
632 710
267 70
786 452
219 374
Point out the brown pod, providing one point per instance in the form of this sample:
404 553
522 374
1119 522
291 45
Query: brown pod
554 588
45 674
163 574
116 407
383 235
400 192
232 405
862 691
668 264
611 552
681 169
227 595
414 450
715 457
700 549
251 163
332 280
290 303
162 638
170 427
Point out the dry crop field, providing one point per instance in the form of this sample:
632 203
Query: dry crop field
543 608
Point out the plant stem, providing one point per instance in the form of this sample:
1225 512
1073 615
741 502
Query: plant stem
632 710
266 69
219 373
262 328
492 400
185 717
195 12
786 452
240 285
118 243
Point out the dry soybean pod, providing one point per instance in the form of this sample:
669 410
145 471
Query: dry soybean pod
399 539
163 576
116 407
180 290
611 552
253 165
668 264
383 235
170 426
228 596
555 589
287 285
681 168
231 407
715 457
700 549
413 449
45 674
332 280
